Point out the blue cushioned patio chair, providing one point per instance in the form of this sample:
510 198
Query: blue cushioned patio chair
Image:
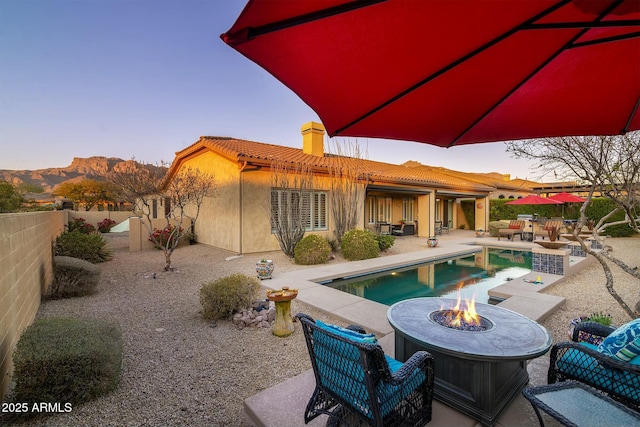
356 383
581 361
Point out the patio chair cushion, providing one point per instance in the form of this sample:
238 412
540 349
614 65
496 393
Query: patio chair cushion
583 366
624 342
514 227
348 333
389 395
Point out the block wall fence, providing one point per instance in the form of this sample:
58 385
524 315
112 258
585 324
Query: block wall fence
26 271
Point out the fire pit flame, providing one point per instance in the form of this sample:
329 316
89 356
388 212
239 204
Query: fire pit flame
462 316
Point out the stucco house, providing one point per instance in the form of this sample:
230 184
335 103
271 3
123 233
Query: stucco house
238 218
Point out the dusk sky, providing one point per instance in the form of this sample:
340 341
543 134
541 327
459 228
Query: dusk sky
147 78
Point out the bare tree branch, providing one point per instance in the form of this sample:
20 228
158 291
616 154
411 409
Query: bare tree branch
608 165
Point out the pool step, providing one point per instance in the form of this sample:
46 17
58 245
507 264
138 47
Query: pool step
533 305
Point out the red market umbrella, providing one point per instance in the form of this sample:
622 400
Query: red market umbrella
534 199
453 72
567 198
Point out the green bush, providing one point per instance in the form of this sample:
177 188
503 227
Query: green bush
359 244
312 249
67 360
385 241
90 247
221 298
73 277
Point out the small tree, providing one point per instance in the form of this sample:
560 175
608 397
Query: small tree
10 197
347 187
88 192
188 187
608 165
290 203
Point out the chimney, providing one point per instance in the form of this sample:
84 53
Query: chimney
506 177
313 139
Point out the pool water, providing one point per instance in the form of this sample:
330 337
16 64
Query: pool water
471 275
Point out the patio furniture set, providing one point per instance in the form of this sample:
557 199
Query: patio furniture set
357 384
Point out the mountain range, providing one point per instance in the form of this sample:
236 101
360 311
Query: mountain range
46 180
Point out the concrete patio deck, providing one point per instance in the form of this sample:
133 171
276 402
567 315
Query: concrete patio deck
265 408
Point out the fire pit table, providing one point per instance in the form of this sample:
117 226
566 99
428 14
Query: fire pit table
477 371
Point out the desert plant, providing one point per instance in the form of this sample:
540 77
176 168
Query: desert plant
105 225
90 247
73 277
599 317
67 360
359 244
80 225
385 241
312 249
221 298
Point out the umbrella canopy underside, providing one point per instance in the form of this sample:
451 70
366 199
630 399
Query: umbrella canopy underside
453 72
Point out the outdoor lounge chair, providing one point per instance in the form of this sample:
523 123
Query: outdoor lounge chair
588 364
548 225
398 231
516 227
385 228
356 382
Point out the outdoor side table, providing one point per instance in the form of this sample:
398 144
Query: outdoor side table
577 405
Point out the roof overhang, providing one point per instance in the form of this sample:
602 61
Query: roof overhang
398 189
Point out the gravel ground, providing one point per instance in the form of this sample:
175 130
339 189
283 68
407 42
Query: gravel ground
180 370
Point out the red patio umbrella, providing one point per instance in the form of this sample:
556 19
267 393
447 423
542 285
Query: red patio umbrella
567 198
534 199
456 71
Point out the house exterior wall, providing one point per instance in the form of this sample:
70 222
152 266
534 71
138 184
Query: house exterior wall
218 223
237 219
256 215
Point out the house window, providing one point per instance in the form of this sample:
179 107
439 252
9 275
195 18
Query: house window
311 206
407 209
384 209
371 211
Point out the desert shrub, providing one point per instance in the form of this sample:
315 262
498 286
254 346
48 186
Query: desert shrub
359 244
385 241
105 225
80 225
67 360
221 298
312 249
73 277
90 247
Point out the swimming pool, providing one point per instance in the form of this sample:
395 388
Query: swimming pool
474 274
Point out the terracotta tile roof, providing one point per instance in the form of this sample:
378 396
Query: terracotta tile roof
263 154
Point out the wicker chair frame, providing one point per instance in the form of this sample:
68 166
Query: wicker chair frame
573 361
349 391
